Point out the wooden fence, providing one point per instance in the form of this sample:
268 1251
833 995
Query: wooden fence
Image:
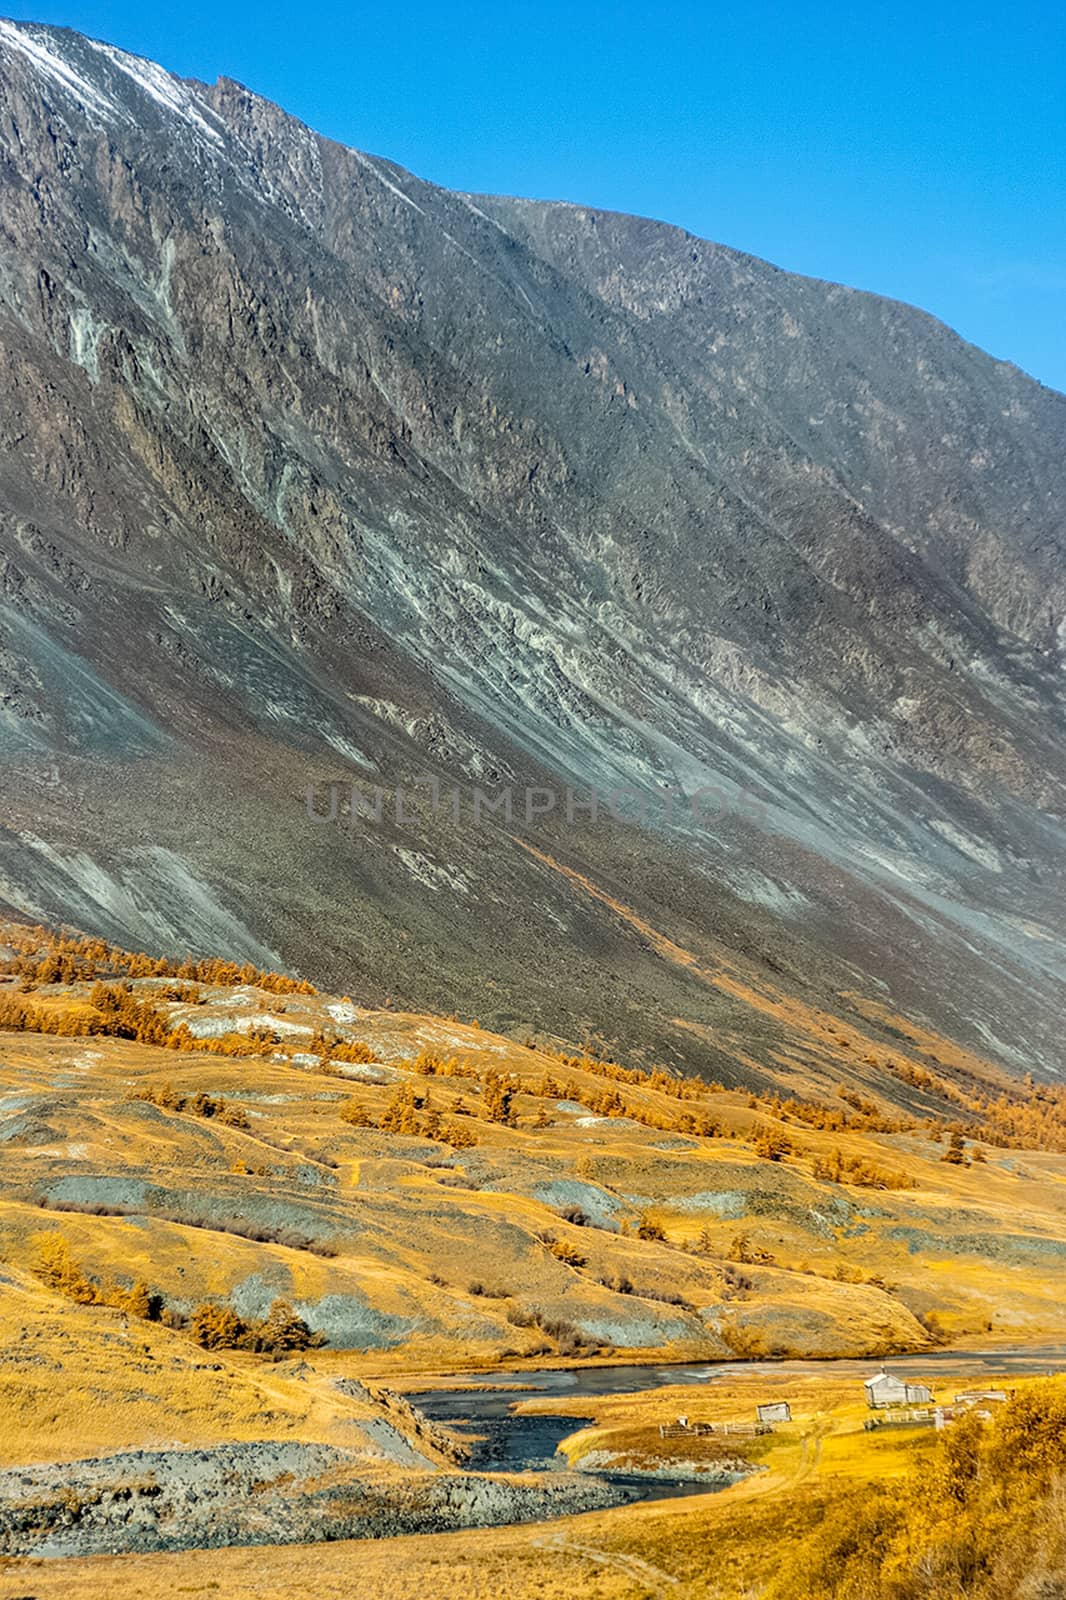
901 1419
690 1430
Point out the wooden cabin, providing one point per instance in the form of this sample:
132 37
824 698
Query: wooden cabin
885 1389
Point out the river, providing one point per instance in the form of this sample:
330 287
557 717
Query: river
503 1440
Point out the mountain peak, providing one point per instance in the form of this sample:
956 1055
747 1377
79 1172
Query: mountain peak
103 82
327 475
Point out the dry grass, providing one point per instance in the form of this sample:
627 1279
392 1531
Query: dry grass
289 1196
723 1546
414 1226
84 1381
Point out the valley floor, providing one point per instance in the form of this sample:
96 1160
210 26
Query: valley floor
730 1545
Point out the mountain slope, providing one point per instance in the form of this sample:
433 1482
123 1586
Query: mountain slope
432 1192
315 472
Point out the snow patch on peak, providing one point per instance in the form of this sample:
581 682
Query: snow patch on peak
41 49
53 66
160 86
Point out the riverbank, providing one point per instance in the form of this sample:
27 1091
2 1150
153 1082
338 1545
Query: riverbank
263 1494
729 1544
562 1443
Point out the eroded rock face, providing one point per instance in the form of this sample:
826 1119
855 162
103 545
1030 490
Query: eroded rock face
314 471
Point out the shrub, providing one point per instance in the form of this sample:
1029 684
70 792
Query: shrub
56 1267
569 1339
139 1301
356 1115
735 1285
198 1105
401 1113
979 1517
353 1051
666 1297
743 1251
569 1254
956 1151
458 1134
216 1327
497 1096
429 1065
649 1228
283 1330
746 1343
769 1143
839 1168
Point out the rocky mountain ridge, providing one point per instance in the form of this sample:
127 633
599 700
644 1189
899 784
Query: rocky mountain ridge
315 473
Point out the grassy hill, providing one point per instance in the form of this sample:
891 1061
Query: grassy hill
236 1215
431 1195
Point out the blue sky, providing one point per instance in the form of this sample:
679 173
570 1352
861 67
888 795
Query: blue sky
918 150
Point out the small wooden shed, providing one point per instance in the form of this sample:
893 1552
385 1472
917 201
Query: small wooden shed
774 1411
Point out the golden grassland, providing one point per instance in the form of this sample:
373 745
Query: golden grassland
764 1536
436 1199
457 1181
80 1382
862 1048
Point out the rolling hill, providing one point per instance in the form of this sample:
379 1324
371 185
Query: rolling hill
236 1214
